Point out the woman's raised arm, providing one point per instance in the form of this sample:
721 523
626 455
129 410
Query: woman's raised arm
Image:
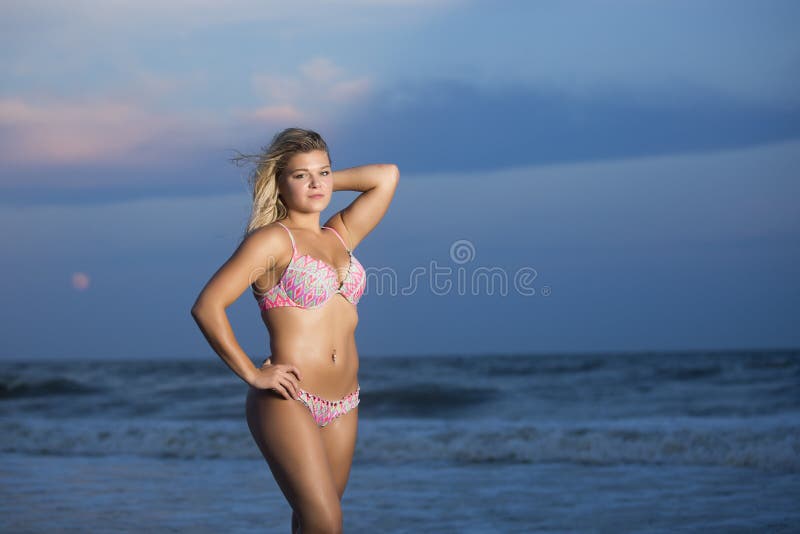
378 182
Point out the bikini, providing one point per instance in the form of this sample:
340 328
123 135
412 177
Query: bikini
310 283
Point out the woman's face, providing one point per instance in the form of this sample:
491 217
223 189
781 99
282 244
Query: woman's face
307 182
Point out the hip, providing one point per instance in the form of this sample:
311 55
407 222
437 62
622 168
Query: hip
321 374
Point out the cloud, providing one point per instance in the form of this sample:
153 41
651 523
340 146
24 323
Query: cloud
131 126
284 113
436 126
143 85
190 15
444 125
321 70
350 90
73 132
307 94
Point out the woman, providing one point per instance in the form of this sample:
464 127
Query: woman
302 404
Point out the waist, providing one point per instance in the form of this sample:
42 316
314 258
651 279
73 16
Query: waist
324 373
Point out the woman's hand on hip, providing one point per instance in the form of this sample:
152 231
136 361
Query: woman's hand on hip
281 378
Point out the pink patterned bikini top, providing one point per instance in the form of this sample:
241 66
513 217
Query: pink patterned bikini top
309 283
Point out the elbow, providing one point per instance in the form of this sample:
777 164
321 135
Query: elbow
390 169
198 310
201 317
392 175
202 311
195 307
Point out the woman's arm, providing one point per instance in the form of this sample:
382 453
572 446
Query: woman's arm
250 260
378 183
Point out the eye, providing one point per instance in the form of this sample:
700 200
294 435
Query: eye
326 173
300 175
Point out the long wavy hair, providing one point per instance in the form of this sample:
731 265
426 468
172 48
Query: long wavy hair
270 163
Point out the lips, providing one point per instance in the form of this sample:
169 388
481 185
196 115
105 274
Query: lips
316 196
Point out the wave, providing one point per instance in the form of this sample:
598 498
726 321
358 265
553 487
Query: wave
425 400
55 386
388 442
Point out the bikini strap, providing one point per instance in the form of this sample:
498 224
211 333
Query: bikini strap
294 248
340 237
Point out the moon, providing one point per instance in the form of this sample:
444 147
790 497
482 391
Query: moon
80 281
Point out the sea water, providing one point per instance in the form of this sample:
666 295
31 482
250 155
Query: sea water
650 442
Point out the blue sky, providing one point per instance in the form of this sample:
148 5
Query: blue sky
640 157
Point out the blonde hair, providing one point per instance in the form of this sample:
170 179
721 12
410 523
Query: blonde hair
268 206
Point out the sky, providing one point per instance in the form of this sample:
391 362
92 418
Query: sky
576 176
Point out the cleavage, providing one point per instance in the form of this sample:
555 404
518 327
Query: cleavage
332 268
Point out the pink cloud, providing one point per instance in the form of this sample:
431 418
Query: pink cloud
284 113
65 132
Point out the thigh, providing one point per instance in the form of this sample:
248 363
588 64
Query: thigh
339 439
293 448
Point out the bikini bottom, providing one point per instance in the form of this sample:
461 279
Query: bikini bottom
323 410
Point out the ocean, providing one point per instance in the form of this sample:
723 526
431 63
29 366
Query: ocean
647 442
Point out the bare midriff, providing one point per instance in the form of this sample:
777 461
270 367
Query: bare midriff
306 338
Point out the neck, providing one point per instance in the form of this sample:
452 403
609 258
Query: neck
305 221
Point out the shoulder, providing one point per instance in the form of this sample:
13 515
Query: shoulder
337 223
261 251
269 241
268 232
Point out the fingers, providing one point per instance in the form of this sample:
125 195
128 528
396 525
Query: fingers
290 386
283 390
286 382
296 371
